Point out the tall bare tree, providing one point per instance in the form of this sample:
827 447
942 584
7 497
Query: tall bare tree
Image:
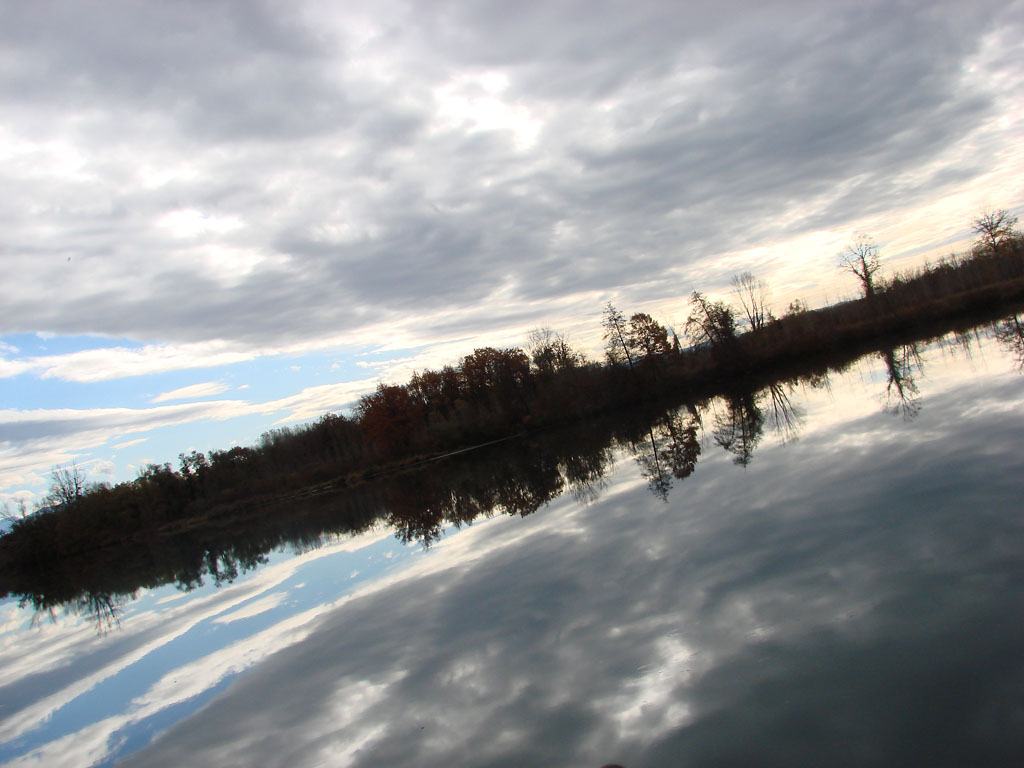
860 259
752 294
994 227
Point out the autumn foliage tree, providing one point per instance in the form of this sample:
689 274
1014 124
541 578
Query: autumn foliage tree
388 417
496 377
438 391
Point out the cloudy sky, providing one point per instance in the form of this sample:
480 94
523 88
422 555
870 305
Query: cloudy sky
221 216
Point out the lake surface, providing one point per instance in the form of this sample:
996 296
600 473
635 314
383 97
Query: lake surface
826 574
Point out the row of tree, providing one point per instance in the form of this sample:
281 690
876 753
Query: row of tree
495 392
514 477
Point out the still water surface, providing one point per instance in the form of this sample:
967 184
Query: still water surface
849 593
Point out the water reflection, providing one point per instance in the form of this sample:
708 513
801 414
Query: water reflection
516 478
764 617
903 364
671 450
1010 333
851 596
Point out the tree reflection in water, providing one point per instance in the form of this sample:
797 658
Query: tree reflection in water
516 478
671 449
1010 334
739 429
903 364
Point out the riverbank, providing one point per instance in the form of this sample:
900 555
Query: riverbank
493 394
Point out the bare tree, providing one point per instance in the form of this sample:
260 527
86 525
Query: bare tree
18 512
67 486
550 351
993 228
861 260
753 297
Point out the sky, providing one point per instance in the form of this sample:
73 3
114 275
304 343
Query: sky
218 218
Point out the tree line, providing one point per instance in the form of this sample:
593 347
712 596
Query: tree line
516 477
495 392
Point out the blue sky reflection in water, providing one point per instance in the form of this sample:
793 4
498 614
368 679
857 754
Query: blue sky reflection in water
852 597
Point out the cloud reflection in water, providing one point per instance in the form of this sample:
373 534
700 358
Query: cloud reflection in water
849 599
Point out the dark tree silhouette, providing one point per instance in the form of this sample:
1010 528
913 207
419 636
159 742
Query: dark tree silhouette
786 418
550 352
993 228
860 259
741 427
901 391
670 450
752 294
648 338
617 343
710 322
684 443
1010 333
67 486
387 417
438 391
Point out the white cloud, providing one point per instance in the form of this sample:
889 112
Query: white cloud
316 401
119 362
406 170
190 222
254 608
205 389
9 368
129 443
33 441
223 186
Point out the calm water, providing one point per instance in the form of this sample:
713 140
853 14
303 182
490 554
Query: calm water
838 582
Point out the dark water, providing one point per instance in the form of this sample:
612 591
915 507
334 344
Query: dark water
824 574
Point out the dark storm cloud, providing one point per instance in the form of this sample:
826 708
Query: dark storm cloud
661 136
760 617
